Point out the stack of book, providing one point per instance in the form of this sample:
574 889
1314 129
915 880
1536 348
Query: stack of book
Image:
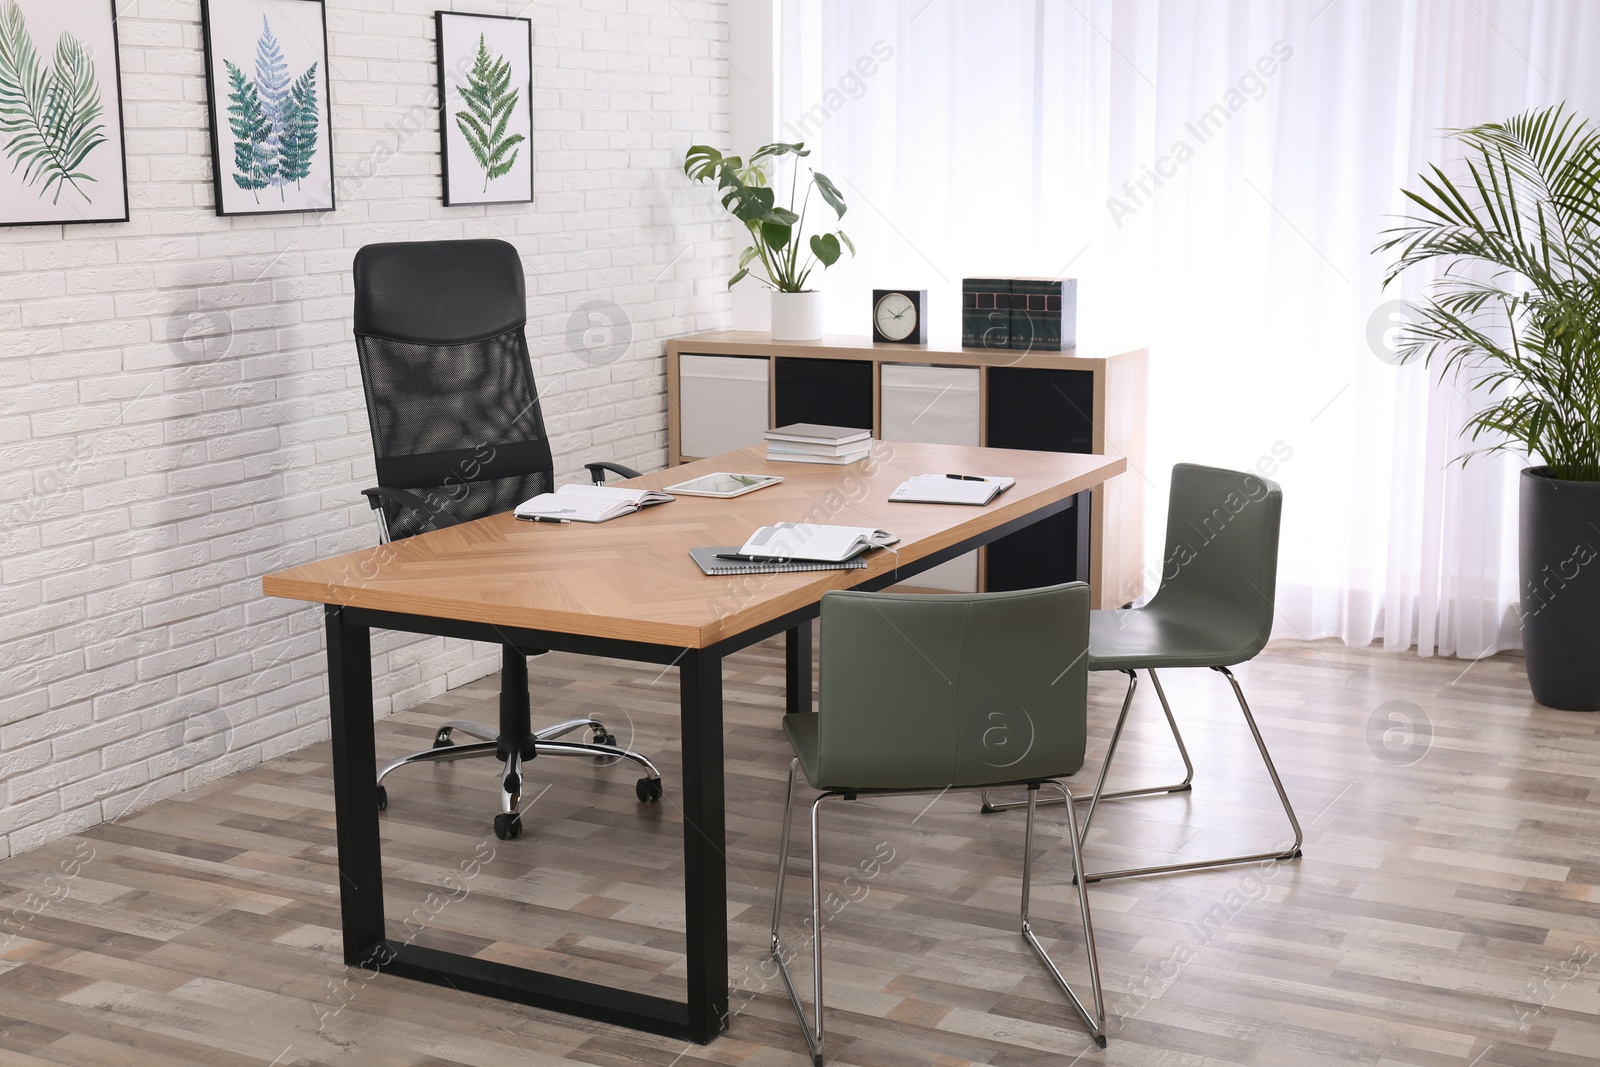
806 442
1019 313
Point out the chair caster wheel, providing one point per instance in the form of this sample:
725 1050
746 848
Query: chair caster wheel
648 789
383 799
1100 1039
442 738
507 827
601 737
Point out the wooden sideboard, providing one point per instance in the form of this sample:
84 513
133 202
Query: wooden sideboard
725 388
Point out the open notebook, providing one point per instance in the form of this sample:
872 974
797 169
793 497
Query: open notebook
588 503
812 541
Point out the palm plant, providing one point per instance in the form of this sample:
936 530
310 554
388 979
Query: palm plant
1516 305
49 114
775 232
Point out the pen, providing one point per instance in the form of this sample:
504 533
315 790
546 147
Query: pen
549 518
749 559
967 477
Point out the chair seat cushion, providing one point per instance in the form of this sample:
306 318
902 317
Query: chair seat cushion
1140 638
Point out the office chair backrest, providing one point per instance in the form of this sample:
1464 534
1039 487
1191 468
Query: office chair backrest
451 401
1221 560
967 689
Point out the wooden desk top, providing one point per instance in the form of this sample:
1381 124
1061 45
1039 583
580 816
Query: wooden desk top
632 578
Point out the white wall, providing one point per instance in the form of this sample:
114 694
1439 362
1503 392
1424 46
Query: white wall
180 410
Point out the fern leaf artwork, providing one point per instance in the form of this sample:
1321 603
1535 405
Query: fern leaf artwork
48 112
491 103
297 145
272 86
255 162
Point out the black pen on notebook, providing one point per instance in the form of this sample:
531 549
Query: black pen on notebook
967 477
736 557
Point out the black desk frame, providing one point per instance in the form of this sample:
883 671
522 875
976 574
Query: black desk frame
705 1013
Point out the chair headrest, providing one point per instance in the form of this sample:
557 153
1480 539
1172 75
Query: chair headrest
439 292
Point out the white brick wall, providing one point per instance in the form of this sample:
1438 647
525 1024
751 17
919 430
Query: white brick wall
180 410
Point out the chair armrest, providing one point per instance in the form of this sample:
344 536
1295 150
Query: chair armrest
597 471
437 517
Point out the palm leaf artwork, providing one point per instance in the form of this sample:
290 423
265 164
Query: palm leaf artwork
1515 307
47 113
491 102
298 129
254 161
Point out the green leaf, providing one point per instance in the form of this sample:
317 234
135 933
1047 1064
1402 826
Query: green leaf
298 121
830 193
254 161
775 235
491 104
48 114
736 277
825 246
701 161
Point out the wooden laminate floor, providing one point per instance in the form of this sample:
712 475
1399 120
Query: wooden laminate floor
1444 915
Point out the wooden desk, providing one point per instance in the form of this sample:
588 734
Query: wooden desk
627 589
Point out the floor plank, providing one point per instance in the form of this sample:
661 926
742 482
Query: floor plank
1445 913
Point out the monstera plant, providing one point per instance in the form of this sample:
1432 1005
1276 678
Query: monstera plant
780 254
1513 309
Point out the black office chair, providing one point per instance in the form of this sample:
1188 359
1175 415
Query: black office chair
457 435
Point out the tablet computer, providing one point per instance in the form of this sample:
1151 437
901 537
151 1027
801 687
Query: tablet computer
724 484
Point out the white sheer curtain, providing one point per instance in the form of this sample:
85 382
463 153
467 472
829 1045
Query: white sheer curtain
1215 175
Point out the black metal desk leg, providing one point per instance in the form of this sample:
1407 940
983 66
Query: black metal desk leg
355 792
797 669
705 874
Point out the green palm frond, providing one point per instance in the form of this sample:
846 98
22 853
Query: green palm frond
491 103
48 114
1515 305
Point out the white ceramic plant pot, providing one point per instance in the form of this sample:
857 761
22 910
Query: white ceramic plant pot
797 316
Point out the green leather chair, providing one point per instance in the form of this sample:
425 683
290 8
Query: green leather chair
1214 609
935 693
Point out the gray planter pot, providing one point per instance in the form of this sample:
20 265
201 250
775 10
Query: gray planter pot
1559 556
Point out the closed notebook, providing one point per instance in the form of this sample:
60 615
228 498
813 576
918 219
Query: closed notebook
706 559
943 489
813 433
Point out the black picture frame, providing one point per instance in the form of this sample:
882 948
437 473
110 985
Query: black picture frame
463 164
39 186
289 68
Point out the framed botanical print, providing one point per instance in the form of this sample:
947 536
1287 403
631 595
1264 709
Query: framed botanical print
267 87
61 113
486 108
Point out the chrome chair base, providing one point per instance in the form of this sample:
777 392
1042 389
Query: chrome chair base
508 824
1094 1021
1293 851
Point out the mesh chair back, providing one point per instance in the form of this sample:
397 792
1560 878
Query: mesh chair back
1221 561
450 395
969 689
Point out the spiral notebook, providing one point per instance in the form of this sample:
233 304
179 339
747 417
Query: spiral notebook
706 559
